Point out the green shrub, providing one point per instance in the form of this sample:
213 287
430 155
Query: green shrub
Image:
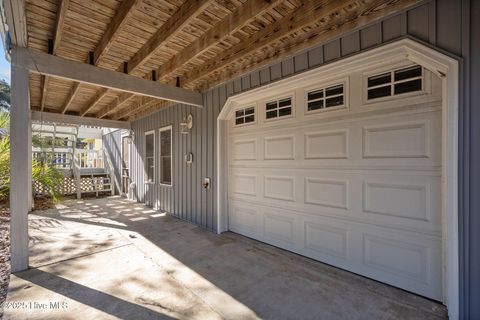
42 173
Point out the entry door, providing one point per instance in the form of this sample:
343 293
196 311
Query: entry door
125 165
362 192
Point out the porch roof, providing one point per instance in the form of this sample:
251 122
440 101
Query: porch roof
189 44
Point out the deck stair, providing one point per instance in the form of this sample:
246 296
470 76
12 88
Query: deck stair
96 183
85 171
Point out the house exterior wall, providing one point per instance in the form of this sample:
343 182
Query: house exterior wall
450 26
112 145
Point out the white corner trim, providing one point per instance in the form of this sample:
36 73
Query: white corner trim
440 64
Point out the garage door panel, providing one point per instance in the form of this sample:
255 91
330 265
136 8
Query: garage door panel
279 147
397 142
279 187
244 219
326 192
244 184
332 144
408 260
245 149
325 239
397 257
408 201
404 201
279 227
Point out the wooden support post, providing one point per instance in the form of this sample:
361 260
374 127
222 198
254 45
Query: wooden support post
20 165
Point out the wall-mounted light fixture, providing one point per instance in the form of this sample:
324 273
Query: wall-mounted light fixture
186 125
130 136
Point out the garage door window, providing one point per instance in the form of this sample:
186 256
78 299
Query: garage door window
395 82
278 108
326 98
245 116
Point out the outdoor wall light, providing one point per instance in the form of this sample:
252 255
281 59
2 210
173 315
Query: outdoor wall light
130 137
186 125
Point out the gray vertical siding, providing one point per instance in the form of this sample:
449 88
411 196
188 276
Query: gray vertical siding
451 26
112 145
470 159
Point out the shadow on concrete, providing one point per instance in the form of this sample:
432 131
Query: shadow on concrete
99 300
271 282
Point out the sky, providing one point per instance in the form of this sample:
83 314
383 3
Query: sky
4 65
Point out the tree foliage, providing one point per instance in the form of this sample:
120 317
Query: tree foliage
4 95
42 172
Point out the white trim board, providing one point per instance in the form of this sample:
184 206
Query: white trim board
70 119
50 65
406 49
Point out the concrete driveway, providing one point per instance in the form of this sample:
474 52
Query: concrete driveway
115 259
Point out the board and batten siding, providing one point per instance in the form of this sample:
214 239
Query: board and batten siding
450 26
112 145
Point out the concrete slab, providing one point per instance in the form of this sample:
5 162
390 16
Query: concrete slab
114 259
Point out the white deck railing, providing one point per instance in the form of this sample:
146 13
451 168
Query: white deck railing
86 159
91 159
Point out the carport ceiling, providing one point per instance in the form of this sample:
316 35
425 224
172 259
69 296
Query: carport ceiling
196 44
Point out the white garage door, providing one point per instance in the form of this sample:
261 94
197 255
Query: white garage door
358 187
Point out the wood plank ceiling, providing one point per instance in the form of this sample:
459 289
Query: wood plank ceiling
197 44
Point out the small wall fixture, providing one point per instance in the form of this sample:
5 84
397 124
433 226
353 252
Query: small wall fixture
207 183
186 125
189 158
130 137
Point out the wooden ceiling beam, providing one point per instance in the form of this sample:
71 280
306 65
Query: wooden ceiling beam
125 10
328 14
57 36
187 11
141 105
43 90
94 101
307 13
46 64
232 23
120 102
146 110
71 95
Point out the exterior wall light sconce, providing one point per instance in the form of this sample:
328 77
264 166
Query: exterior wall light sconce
186 125
130 137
